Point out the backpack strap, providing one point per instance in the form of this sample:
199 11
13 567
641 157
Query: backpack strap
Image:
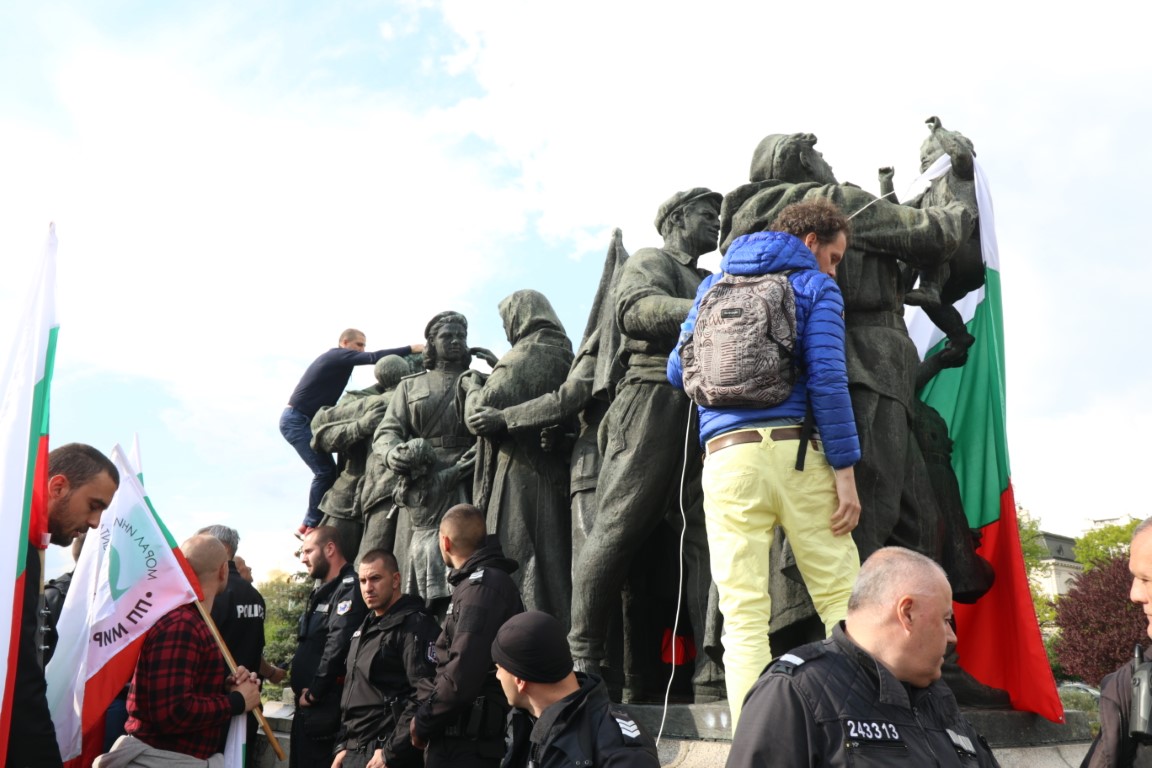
806 428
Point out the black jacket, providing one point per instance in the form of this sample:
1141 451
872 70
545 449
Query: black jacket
582 729
55 592
1114 747
465 699
239 615
389 655
830 703
334 612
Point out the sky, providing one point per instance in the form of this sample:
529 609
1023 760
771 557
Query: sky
233 184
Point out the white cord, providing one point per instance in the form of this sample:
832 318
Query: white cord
680 580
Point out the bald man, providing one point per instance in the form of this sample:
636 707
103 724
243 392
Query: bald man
461 715
871 694
182 697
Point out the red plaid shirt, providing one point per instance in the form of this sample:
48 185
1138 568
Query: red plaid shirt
178 699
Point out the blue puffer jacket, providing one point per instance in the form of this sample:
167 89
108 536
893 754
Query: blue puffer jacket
819 343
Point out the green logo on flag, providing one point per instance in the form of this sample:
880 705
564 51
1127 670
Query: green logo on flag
131 558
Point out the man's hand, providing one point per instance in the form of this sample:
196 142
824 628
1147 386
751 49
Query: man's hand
339 759
486 421
847 513
303 701
250 690
242 675
272 673
417 742
377 760
417 348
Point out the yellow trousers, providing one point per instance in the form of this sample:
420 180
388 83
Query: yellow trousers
748 490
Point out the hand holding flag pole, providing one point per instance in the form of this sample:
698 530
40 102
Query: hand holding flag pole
232 669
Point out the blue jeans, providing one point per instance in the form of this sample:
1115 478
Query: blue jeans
297 430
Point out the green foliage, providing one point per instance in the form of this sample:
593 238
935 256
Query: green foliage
1104 544
285 598
1035 552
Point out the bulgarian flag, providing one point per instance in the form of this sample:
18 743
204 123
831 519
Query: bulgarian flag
130 573
24 461
998 639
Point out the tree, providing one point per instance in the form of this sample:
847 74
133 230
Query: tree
1035 553
1099 625
1105 543
285 598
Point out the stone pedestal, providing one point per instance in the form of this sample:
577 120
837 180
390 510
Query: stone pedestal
699 735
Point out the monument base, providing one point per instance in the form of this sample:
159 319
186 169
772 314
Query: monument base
700 735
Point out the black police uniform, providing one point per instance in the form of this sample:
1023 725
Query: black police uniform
831 703
334 612
389 655
583 728
55 592
462 717
1114 746
238 613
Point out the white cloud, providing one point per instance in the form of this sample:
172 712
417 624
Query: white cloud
228 199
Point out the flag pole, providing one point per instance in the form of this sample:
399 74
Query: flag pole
232 668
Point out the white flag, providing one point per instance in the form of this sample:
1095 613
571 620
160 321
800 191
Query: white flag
130 573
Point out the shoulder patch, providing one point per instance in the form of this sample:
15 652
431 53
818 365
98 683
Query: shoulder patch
787 664
961 742
628 727
477 575
343 607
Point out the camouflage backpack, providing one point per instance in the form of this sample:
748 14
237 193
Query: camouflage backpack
740 352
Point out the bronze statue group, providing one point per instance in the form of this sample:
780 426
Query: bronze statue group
595 472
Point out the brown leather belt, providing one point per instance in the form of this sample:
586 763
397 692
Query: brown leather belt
753 436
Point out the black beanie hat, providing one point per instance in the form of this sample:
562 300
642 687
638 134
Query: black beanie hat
534 647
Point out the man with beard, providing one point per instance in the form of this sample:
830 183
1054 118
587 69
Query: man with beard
393 650
334 611
461 715
81 483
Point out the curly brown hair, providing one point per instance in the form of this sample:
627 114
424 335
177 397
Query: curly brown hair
819 216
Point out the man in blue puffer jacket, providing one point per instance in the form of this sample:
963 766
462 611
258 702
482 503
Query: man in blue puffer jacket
750 479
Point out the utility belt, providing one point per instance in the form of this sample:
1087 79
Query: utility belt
483 720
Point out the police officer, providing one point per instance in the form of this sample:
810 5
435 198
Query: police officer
561 717
394 648
871 694
461 715
334 611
